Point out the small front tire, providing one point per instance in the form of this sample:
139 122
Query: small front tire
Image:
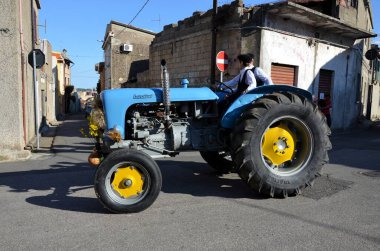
127 181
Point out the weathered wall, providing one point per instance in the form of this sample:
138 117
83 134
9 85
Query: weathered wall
47 82
309 58
350 14
122 67
13 62
56 85
10 79
376 91
99 68
186 47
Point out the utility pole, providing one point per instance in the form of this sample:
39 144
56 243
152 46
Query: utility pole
213 41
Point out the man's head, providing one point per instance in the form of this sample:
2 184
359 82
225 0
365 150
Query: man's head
245 59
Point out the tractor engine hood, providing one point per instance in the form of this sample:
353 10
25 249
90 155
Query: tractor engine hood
117 101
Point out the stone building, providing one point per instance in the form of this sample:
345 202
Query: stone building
61 65
126 53
48 85
317 45
99 68
373 104
186 46
18 37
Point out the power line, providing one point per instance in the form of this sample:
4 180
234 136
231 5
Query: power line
147 1
139 11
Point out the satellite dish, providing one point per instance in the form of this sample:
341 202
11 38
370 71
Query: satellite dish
372 54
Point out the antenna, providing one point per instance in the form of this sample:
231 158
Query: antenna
45 25
157 20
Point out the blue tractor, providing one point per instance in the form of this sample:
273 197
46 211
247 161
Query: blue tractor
274 137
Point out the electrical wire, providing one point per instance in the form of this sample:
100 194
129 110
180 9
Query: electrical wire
147 1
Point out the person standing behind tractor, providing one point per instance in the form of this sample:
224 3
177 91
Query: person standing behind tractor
249 78
325 106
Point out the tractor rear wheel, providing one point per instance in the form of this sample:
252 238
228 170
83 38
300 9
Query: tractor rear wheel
127 181
280 144
220 161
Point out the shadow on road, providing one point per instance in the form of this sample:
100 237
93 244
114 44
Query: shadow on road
198 179
64 180
358 149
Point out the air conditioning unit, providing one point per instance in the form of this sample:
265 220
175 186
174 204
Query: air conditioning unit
126 48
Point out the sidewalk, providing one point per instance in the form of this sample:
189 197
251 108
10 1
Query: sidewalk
68 128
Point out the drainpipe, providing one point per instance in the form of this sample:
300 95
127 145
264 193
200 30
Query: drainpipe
36 103
345 93
21 29
314 88
213 41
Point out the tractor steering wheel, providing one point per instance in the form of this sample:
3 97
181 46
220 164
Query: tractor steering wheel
220 89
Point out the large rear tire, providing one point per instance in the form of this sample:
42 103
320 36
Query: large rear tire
127 181
280 144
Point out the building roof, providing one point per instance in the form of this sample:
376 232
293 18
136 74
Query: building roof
56 54
308 1
110 33
62 56
132 27
65 57
314 18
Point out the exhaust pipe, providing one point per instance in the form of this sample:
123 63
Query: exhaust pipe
166 91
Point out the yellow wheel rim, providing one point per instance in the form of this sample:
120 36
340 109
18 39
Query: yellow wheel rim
128 182
278 144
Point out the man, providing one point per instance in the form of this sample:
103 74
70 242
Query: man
249 78
325 106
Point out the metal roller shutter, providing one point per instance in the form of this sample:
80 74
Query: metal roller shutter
325 82
283 74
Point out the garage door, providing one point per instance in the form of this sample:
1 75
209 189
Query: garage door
283 74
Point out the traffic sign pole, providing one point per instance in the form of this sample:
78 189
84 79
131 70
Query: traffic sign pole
36 103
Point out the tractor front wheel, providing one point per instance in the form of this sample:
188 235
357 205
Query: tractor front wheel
127 181
280 144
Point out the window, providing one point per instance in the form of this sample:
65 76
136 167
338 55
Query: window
282 74
353 3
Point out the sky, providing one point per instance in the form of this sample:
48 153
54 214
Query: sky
79 25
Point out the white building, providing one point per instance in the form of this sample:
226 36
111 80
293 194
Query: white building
303 47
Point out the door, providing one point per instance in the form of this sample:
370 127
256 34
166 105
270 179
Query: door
325 83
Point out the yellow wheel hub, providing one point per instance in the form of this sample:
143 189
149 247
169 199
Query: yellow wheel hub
128 182
278 144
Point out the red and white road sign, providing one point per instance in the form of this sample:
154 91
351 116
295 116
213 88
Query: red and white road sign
222 61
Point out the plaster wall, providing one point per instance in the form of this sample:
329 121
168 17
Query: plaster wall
13 62
309 58
56 85
48 82
10 79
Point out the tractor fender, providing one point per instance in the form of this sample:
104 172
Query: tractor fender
239 105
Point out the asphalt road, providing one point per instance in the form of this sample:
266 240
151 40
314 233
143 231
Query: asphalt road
48 203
